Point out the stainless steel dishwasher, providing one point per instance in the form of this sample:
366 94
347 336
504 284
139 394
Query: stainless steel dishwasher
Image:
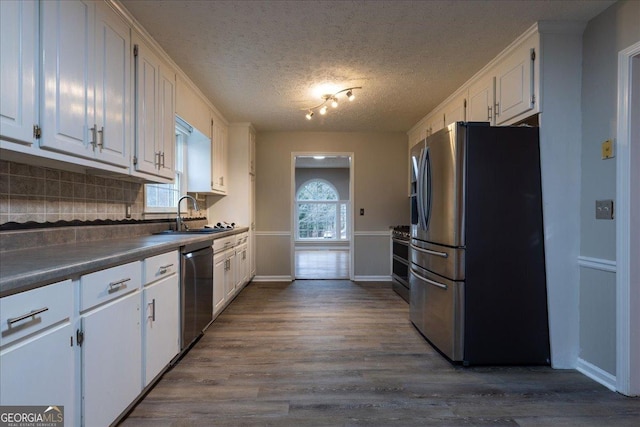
196 290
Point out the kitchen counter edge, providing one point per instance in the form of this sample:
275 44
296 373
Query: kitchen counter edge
27 269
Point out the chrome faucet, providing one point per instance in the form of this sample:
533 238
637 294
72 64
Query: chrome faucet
179 222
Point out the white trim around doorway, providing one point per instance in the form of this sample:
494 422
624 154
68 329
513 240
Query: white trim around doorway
628 223
351 204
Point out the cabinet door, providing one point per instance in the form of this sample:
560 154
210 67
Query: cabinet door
455 111
229 277
514 85
167 122
112 86
481 100
219 157
219 270
162 325
40 371
67 114
147 71
18 55
155 113
435 123
111 359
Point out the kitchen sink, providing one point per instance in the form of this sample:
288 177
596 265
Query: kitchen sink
193 231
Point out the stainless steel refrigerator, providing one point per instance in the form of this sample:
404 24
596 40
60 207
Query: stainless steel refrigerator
477 270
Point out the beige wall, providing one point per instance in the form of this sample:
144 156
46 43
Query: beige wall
380 188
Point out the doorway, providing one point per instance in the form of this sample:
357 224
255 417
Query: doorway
628 223
322 217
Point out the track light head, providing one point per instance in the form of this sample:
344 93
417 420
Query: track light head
350 95
323 110
334 102
309 115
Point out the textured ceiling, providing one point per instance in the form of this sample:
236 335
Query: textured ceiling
260 61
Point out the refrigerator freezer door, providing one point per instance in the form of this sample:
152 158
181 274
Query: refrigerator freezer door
437 310
442 260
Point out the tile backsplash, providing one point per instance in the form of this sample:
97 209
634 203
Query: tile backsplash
40 194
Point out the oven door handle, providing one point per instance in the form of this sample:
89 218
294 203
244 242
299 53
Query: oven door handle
431 282
430 252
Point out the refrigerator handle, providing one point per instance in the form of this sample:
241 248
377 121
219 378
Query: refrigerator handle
427 173
430 252
422 181
431 282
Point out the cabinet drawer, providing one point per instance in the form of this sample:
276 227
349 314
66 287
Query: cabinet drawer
32 311
223 243
241 238
159 266
106 285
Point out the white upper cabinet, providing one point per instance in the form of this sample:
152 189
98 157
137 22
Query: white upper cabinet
455 110
191 107
481 100
67 73
219 147
112 86
155 112
18 73
515 84
86 81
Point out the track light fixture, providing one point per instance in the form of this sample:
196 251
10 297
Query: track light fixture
330 99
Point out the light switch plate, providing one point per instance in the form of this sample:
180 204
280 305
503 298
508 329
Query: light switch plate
607 149
604 209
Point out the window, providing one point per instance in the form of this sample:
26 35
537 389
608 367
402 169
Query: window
320 212
160 198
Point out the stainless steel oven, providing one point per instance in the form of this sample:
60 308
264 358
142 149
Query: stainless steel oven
400 260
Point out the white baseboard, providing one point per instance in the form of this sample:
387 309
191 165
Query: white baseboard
597 374
372 279
272 279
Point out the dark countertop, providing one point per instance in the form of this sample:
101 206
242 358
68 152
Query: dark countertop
23 270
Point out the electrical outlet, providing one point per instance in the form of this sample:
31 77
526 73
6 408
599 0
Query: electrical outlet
361 211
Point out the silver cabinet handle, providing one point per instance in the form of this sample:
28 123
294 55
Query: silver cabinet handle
497 110
101 138
162 157
431 282
116 286
430 252
32 313
152 304
163 268
488 112
94 136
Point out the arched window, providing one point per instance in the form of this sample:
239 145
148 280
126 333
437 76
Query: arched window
320 212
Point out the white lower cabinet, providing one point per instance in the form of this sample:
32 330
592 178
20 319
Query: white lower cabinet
37 356
230 269
111 360
110 338
219 271
161 317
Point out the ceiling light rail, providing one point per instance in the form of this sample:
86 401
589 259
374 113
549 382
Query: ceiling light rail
330 99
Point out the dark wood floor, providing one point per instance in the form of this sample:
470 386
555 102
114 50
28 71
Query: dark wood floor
322 264
338 353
